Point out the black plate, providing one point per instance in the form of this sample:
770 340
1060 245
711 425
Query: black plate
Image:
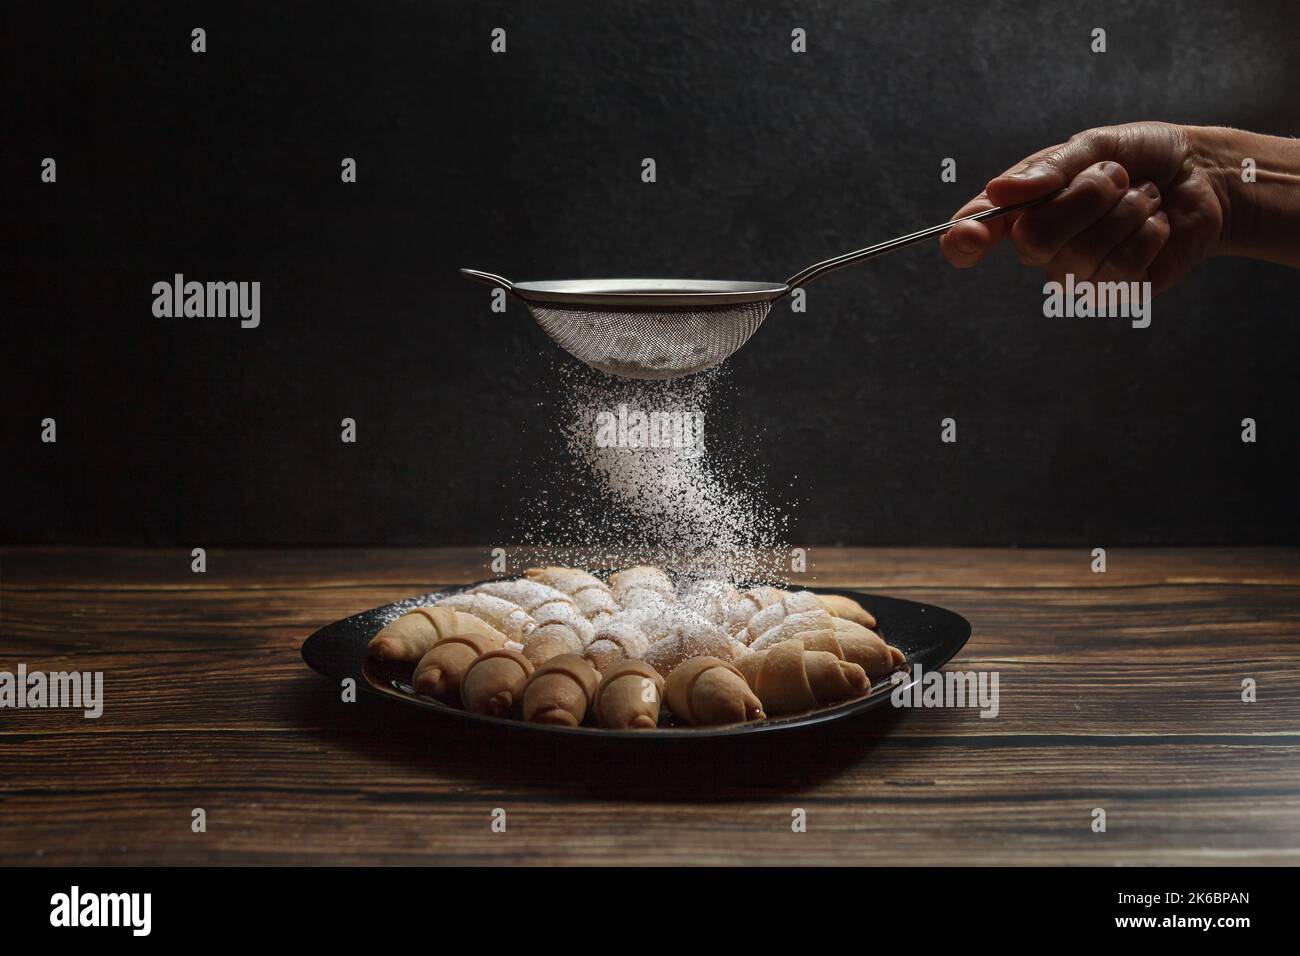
926 634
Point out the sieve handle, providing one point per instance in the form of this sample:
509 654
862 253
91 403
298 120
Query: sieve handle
839 262
488 278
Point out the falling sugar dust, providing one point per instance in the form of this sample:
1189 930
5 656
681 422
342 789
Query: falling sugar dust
658 472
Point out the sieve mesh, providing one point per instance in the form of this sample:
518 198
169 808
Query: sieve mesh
652 343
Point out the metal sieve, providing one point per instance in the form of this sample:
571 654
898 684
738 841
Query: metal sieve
666 328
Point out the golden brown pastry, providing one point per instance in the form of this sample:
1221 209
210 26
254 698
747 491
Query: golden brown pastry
795 613
493 683
865 648
707 691
628 697
595 604
641 586
845 607
560 629
552 642
663 636
527 593
738 613
711 598
688 635
545 605
788 678
545 621
619 637
590 593
560 691
505 616
440 671
409 638
568 580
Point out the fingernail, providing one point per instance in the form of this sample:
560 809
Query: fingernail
1116 173
1148 187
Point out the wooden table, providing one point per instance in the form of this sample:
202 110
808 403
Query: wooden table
1120 690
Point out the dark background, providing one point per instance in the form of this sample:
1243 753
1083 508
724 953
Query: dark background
225 166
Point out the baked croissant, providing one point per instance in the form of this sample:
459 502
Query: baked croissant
590 593
595 603
440 671
788 678
643 599
547 625
409 638
560 691
846 608
795 613
568 580
706 691
710 598
506 616
619 637
545 605
686 635
628 697
865 648
560 629
493 682
529 595
552 641
641 585
748 604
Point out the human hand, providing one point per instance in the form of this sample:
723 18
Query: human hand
1139 202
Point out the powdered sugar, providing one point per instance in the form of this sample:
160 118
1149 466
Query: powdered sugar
666 479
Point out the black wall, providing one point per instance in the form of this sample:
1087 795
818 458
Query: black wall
225 166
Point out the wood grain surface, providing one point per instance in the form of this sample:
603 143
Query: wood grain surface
1119 690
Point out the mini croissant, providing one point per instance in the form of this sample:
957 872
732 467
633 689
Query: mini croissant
628 697
707 691
568 580
796 613
410 637
685 635
441 670
590 593
788 679
863 647
493 683
619 636
561 629
505 616
560 691
854 643
846 608
632 585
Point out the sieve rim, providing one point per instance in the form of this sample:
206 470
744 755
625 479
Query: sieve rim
662 294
